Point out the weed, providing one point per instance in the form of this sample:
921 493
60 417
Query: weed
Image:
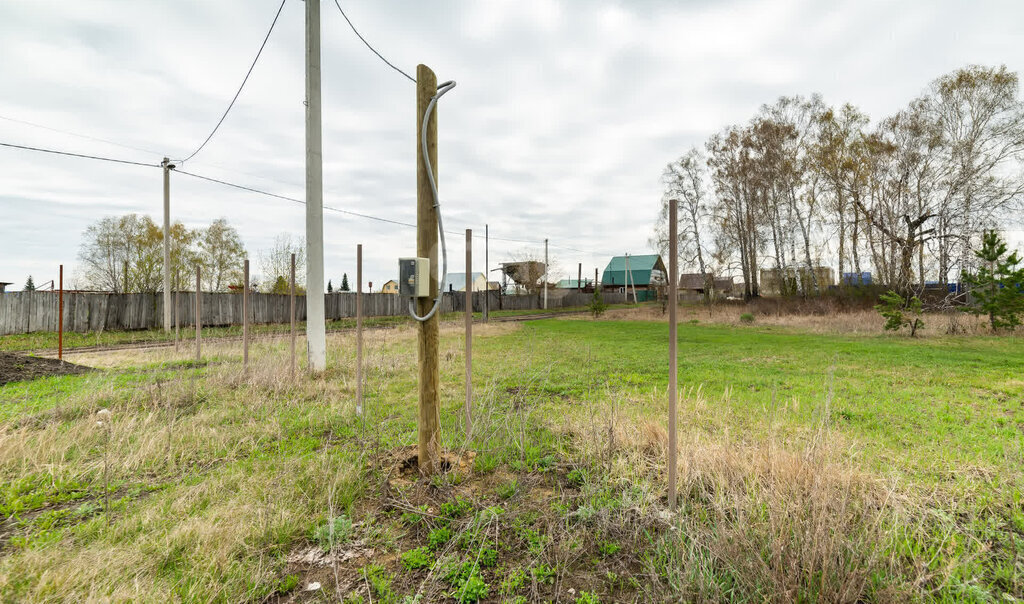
543 573
380 581
335 531
608 548
587 598
421 557
512 582
508 489
456 509
439 537
747 318
414 518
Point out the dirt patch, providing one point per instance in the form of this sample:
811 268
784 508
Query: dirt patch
18 368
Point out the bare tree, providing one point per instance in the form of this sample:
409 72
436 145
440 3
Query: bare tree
684 180
276 261
221 254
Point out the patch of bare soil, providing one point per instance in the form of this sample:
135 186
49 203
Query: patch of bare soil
18 368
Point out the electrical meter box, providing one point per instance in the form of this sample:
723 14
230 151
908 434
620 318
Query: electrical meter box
414 277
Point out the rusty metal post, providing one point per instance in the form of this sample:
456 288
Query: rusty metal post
673 365
60 315
199 315
359 329
245 314
292 316
469 332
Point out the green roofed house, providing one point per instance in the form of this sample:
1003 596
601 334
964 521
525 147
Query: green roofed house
646 272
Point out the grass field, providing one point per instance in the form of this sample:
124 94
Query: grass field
813 467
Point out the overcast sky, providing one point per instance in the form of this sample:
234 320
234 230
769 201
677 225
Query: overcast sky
564 115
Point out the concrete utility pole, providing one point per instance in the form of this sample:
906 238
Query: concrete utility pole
579 277
469 332
487 273
545 274
429 331
673 364
359 329
166 165
316 329
596 285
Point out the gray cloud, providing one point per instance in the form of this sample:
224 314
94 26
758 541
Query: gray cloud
564 116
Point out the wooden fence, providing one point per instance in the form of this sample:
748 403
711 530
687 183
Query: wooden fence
24 312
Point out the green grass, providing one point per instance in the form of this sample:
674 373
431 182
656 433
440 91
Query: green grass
877 463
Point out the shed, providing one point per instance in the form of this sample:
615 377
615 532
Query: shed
645 271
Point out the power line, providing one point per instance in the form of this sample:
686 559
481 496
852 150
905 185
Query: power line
246 79
292 199
372 49
81 155
84 136
367 216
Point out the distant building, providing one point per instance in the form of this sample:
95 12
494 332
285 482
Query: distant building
3 286
389 287
644 272
572 284
856 279
457 282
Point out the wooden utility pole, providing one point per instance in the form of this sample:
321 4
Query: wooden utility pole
426 247
316 329
199 315
595 280
469 332
245 314
166 165
487 273
292 316
60 315
673 365
359 329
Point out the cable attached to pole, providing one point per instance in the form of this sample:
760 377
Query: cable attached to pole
441 91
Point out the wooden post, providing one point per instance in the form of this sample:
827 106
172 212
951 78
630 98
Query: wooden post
469 332
579 277
359 329
426 247
60 315
595 280
292 315
673 365
177 303
199 315
245 314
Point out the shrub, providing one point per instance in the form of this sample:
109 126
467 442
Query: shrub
747 318
899 312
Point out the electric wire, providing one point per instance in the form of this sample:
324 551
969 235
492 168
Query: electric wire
442 90
76 134
372 49
239 92
80 155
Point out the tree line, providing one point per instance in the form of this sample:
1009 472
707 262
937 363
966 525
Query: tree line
804 184
124 254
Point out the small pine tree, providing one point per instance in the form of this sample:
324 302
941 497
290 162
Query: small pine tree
892 307
344 283
30 285
330 287
997 289
281 286
597 305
